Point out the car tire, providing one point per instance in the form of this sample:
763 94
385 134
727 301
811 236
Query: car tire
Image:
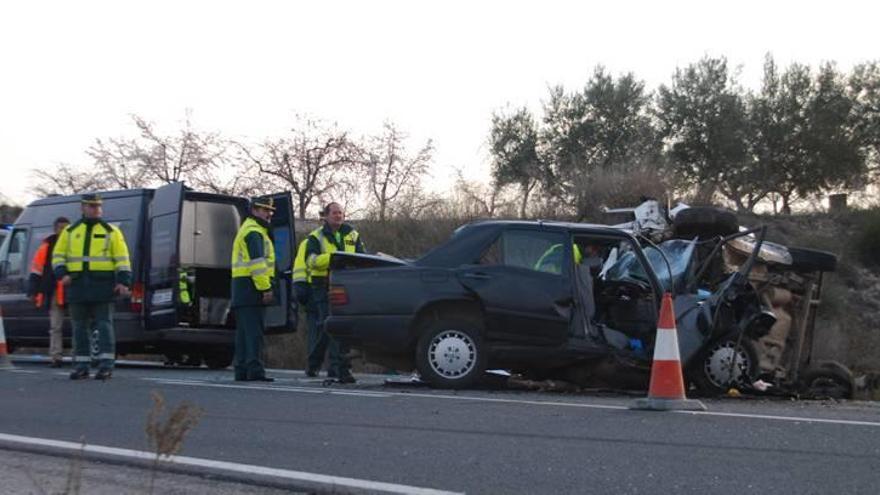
450 353
828 380
218 360
710 370
705 222
812 260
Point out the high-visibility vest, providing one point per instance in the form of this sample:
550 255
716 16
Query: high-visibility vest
300 270
551 260
261 270
91 247
183 285
41 267
319 264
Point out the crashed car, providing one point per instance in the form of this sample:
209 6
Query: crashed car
574 301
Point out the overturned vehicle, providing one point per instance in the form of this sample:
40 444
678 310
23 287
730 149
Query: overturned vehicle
580 302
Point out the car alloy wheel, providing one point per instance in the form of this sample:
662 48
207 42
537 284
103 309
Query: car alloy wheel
727 364
452 354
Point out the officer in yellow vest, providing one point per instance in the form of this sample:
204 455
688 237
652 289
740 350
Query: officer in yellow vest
253 286
334 235
91 260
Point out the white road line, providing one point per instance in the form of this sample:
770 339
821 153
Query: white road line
332 483
794 419
276 388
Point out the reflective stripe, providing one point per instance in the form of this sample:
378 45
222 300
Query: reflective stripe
79 259
123 268
261 271
120 258
107 355
81 359
248 264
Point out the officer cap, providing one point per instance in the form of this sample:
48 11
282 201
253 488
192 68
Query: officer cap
91 199
263 202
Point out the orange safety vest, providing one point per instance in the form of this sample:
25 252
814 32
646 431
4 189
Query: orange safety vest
38 267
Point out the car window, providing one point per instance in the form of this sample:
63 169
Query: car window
539 251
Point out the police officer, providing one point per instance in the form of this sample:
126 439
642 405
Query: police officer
303 290
334 235
91 260
45 290
253 285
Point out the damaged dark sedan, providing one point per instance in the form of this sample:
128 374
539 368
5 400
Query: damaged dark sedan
573 301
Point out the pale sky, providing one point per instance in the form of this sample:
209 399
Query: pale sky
72 71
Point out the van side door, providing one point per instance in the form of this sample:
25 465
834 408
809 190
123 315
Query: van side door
282 316
163 257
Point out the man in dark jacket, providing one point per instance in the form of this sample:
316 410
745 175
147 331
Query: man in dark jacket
44 290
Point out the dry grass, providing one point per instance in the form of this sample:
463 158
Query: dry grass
166 431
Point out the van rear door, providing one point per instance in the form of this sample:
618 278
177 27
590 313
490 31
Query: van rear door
160 307
282 317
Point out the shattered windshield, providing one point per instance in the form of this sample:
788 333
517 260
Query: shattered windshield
678 252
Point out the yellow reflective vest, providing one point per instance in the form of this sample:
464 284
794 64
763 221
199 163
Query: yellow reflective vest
300 270
95 256
262 269
323 245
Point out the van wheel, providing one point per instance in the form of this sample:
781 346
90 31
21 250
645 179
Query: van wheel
451 354
218 360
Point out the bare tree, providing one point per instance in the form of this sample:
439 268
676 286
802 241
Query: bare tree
118 164
65 179
391 170
312 161
481 200
184 156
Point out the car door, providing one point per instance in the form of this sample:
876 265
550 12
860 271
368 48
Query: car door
282 316
527 296
163 258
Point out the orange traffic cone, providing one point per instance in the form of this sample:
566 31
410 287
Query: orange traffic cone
5 362
666 392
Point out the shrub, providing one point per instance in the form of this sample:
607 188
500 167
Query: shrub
867 242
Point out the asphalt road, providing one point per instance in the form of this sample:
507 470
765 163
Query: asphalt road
476 441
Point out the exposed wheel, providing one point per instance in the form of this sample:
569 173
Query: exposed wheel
828 381
705 222
812 260
724 364
218 360
450 353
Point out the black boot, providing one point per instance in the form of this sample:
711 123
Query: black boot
103 374
79 374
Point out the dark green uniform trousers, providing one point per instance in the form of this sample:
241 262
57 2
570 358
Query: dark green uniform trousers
249 324
319 341
85 317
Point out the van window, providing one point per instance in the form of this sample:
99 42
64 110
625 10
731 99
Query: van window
13 253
